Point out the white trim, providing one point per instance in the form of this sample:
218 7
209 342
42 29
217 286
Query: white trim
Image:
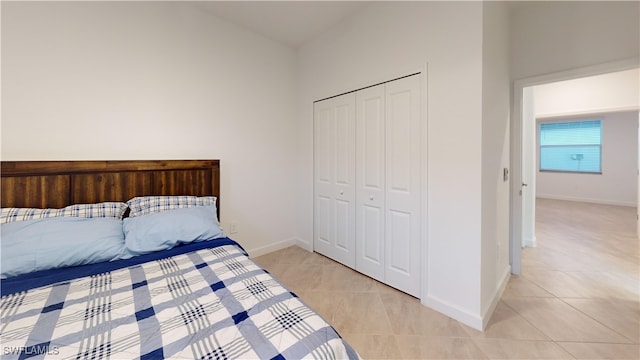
453 311
515 228
263 250
515 163
486 315
598 69
307 245
532 242
586 200
424 203
587 112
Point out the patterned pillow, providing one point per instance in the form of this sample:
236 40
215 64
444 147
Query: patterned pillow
152 204
99 210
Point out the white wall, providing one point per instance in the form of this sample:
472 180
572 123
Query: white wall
495 155
385 40
554 36
155 80
617 185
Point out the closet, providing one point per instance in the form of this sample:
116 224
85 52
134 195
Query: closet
367 151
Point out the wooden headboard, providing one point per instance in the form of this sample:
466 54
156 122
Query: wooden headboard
55 184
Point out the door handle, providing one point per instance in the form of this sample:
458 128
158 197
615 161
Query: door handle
523 186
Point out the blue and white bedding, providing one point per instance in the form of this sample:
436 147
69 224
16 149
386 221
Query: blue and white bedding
203 300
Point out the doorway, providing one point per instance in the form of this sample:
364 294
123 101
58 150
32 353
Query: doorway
523 161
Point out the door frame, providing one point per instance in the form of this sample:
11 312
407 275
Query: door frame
515 206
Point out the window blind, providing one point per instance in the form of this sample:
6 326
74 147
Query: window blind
573 146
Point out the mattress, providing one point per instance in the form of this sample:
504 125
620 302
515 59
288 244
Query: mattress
204 300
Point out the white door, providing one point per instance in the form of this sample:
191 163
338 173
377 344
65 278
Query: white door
334 178
370 177
402 184
529 167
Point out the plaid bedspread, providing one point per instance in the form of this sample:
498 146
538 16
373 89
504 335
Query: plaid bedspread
213 303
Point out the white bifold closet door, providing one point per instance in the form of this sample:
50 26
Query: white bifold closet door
334 178
402 185
370 181
367 181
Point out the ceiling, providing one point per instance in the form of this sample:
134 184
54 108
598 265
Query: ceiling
292 23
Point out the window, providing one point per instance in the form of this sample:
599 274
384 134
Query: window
573 146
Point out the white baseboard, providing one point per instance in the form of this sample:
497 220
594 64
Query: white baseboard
478 322
453 311
530 242
593 201
304 244
263 250
486 316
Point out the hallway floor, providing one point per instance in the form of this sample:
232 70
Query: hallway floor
578 297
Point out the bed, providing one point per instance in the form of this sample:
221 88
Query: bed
161 281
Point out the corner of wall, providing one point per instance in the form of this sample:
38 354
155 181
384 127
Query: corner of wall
307 245
451 310
497 295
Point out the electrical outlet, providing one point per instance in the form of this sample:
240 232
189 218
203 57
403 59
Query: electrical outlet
233 227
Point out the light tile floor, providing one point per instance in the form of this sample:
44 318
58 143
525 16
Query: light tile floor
577 298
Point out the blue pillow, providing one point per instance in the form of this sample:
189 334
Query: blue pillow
164 230
49 243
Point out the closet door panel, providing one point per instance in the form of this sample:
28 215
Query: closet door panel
324 144
344 223
370 178
401 139
402 228
323 223
334 178
400 236
344 124
373 220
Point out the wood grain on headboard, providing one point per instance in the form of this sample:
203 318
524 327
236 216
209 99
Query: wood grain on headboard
55 184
